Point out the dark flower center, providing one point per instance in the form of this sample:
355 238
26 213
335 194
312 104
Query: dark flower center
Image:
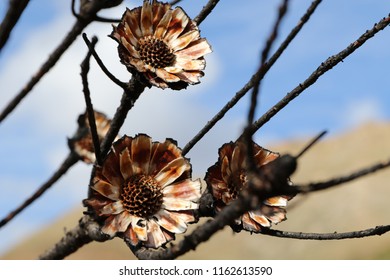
155 52
141 196
237 183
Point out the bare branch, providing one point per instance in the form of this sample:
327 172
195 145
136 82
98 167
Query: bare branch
322 69
97 18
174 2
304 188
258 75
88 102
68 163
15 10
378 230
88 12
256 87
101 64
205 11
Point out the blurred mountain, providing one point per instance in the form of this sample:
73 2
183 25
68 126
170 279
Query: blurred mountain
358 205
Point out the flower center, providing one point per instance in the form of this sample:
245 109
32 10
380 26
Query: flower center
155 52
141 196
237 183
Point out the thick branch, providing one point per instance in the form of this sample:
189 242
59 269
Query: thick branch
15 10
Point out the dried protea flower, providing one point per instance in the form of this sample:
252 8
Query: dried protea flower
81 143
144 192
162 44
227 178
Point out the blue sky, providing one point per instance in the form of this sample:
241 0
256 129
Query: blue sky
33 138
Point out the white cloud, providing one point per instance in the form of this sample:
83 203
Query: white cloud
363 110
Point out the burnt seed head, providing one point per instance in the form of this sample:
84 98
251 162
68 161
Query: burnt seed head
155 52
141 196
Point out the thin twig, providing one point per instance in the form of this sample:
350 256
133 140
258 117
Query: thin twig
322 69
304 188
65 166
258 75
101 64
264 56
97 18
88 13
88 102
15 10
256 87
174 2
205 11
378 230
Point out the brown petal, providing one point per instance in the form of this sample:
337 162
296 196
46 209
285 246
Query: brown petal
191 77
162 26
249 224
264 156
176 204
177 24
195 50
259 218
218 188
133 18
170 221
190 65
168 77
186 189
146 19
106 189
238 157
184 40
111 170
140 228
126 164
186 216
130 48
156 238
140 153
172 171
159 9
276 201
274 214
162 154
131 236
129 36
116 223
112 208
225 169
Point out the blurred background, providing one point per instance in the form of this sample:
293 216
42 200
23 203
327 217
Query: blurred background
351 101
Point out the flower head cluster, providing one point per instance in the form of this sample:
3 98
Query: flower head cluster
82 143
227 178
162 44
144 191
